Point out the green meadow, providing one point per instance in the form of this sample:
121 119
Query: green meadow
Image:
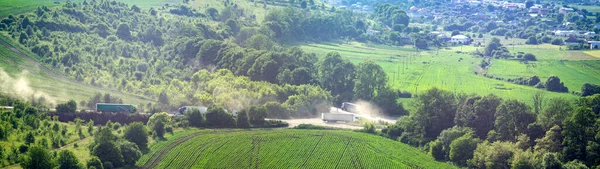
15 7
453 70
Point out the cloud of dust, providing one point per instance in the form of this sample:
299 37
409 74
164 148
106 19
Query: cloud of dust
370 111
19 87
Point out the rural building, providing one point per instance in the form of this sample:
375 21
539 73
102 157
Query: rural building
565 11
372 32
460 39
572 41
594 44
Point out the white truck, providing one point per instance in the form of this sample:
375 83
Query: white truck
335 117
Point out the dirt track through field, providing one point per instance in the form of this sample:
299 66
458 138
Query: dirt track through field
157 157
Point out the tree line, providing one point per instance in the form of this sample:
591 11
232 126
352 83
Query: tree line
490 132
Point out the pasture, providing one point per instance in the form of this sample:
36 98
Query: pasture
453 70
286 148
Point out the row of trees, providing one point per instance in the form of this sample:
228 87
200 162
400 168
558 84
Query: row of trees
489 132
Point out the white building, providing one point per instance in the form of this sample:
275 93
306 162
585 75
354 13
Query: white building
594 44
460 39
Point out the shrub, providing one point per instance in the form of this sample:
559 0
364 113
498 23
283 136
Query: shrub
313 127
529 57
275 123
557 41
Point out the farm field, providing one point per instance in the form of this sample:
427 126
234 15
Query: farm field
27 77
288 148
449 69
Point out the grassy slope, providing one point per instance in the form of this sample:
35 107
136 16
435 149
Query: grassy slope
444 70
59 88
288 148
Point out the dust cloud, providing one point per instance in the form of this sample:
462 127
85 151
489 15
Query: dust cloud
371 112
19 87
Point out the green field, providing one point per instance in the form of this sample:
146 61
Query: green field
15 7
26 77
288 148
419 71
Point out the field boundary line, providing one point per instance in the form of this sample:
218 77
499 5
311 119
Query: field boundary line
313 151
343 152
157 157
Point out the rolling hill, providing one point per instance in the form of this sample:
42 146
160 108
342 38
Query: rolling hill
25 77
284 148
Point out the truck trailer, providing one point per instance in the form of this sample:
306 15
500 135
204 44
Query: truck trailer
115 108
335 117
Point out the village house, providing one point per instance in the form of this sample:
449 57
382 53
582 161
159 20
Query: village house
594 44
565 11
460 39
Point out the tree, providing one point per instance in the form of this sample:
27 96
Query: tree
163 98
29 138
370 78
550 161
337 76
435 112
108 152
446 138
130 152
551 142
590 89
257 115
303 4
123 31
455 32
38 157
212 13
94 162
157 122
137 133
578 130
436 149
387 100
560 17
529 57
553 84
242 119
493 45
194 117
218 118
67 160
69 107
512 119
493 155
557 111
478 113
462 149
532 40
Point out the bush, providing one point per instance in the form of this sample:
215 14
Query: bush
557 41
275 123
553 84
95 162
589 89
313 127
529 57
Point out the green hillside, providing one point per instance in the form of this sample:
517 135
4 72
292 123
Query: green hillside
286 148
25 78
447 69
